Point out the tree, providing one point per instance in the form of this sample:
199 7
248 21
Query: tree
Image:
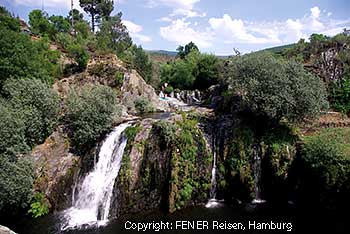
60 24
75 15
142 63
39 23
20 57
113 35
182 52
8 22
273 89
207 71
97 9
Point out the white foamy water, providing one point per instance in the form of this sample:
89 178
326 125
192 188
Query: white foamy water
92 204
213 203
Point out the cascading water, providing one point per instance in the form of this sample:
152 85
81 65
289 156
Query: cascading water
93 195
257 177
213 202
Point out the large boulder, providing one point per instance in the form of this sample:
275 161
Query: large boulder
55 169
134 87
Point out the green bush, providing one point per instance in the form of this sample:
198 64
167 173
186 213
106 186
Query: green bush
166 131
39 206
274 89
326 171
131 132
36 105
12 131
89 114
79 54
142 105
16 180
119 77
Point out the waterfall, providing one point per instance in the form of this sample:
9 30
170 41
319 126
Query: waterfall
257 176
94 193
213 202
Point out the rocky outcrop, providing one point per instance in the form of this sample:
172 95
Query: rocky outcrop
55 169
166 166
105 70
135 87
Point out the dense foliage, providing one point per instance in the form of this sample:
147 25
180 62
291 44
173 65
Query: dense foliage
326 168
89 114
36 104
193 71
16 179
327 53
22 58
273 89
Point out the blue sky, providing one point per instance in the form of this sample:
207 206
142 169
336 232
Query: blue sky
216 26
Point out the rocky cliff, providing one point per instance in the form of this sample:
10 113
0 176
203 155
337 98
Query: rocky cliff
167 166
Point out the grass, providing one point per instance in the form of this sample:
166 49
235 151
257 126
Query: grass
339 136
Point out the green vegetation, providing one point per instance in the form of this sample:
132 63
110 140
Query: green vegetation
16 179
89 114
97 9
142 105
319 51
36 104
39 206
193 71
274 89
189 160
131 132
326 167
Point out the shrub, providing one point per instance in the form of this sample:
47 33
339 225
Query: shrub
12 131
142 105
119 78
89 114
16 179
274 89
36 105
166 131
326 171
79 54
39 206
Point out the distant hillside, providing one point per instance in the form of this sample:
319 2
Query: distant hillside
163 52
279 49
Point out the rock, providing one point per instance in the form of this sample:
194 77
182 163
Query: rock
5 230
135 87
55 169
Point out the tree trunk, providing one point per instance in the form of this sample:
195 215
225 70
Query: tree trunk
93 22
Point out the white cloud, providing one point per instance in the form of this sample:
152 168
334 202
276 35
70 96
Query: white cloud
176 4
135 31
132 27
315 12
181 32
234 30
165 19
179 7
231 31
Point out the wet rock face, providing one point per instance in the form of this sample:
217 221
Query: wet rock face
146 178
55 169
